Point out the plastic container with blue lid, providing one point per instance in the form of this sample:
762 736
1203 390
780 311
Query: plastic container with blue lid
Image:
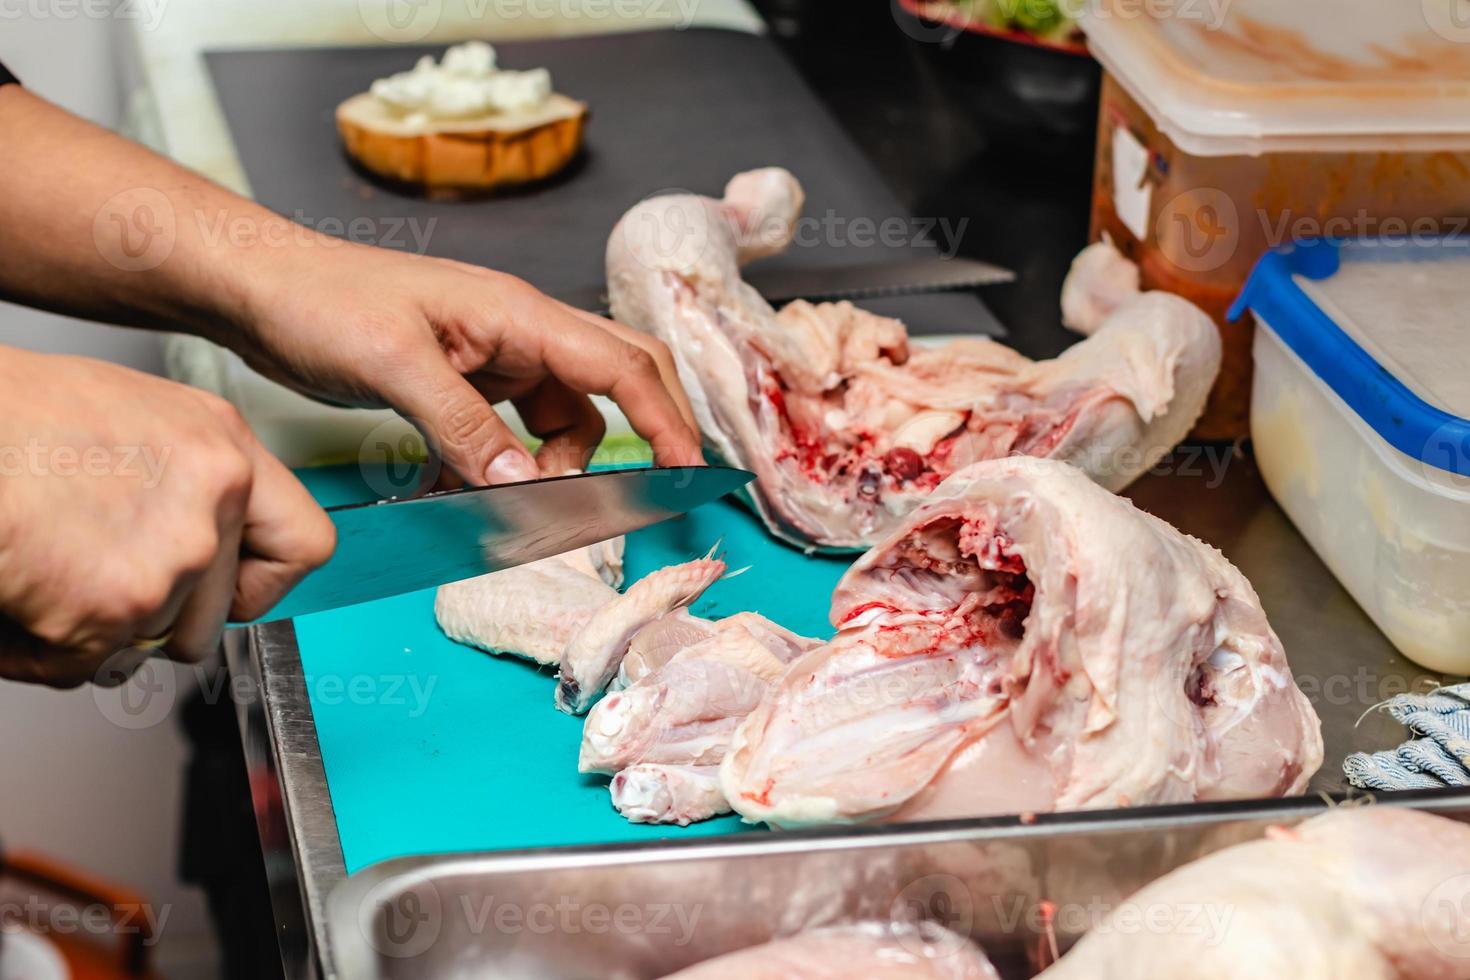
1359 418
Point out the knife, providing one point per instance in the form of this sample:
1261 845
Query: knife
781 285
390 547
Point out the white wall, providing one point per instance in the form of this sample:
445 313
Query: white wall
75 784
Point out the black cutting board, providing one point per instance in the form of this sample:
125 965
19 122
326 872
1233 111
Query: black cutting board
671 109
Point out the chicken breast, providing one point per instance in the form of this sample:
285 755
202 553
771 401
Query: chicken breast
1023 641
846 428
870 950
1361 893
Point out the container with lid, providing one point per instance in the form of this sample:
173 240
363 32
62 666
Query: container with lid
1228 128
1359 419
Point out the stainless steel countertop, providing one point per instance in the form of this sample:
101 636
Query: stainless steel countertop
1341 661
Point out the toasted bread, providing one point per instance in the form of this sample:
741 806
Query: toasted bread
472 154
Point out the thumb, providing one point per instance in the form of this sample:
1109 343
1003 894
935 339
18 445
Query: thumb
465 431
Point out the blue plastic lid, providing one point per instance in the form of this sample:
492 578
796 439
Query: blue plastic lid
1330 300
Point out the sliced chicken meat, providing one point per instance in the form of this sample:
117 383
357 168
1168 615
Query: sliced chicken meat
594 653
870 950
1026 641
1361 893
846 426
684 711
566 612
533 610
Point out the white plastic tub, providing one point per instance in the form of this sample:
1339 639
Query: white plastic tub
1362 388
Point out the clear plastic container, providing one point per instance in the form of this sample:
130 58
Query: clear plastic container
1362 390
1228 129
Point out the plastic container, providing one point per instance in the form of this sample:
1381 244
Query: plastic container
1362 392
1226 129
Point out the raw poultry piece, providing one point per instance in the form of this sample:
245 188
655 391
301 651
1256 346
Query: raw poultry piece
566 612
685 710
594 653
870 950
532 610
654 793
845 426
1361 893
1027 641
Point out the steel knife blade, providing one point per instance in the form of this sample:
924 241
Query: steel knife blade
390 547
779 285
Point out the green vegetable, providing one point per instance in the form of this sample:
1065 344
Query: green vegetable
1032 16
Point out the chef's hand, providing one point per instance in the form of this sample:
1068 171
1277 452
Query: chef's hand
442 342
134 508
98 227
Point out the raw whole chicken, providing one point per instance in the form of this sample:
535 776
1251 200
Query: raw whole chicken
845 426
1361 893
665 733
1027 641
870 950
565 611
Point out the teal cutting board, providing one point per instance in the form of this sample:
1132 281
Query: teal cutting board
432 747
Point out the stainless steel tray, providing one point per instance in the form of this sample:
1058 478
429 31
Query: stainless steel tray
636 912
752 885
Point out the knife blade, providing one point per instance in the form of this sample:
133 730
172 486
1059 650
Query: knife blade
779 285
390 547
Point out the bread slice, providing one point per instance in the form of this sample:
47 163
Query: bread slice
473 154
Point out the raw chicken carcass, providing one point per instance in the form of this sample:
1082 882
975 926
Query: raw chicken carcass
1027 641
870 950
846 428
1361 893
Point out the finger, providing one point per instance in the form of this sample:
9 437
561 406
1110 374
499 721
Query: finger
285 535
195 633
566 421
659 351
30 660
593 360
463 428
